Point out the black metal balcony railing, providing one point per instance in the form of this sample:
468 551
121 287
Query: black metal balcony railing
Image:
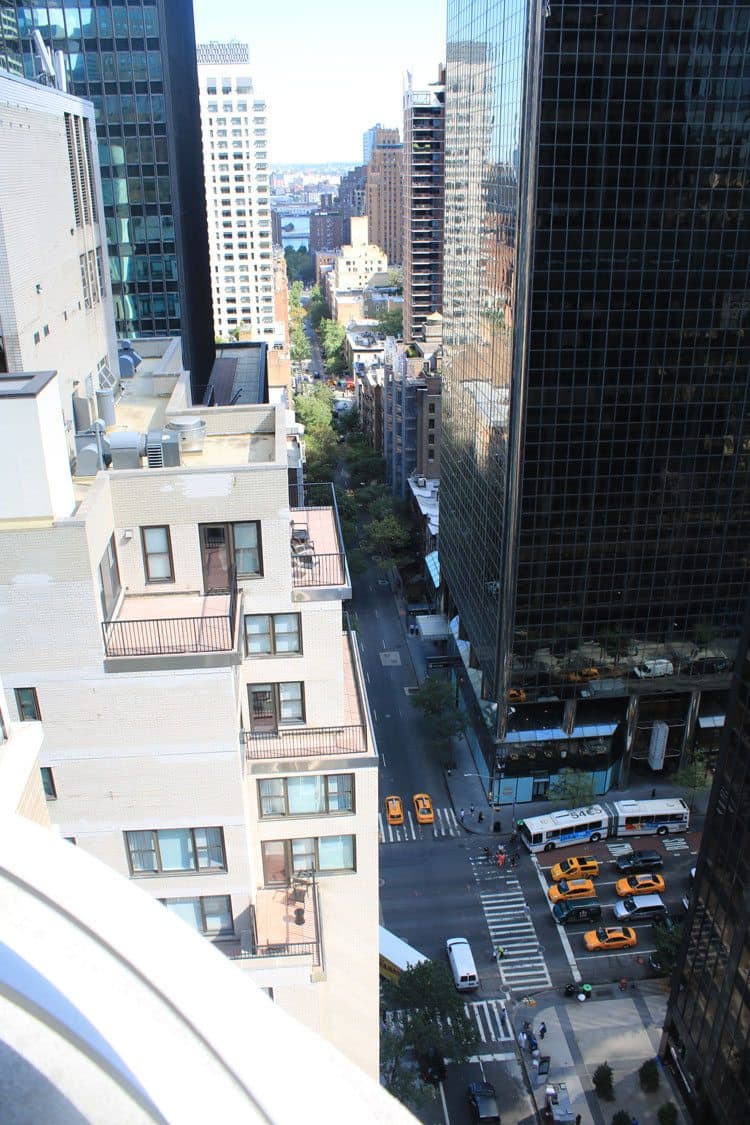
165 636
305 742
280 949
312 569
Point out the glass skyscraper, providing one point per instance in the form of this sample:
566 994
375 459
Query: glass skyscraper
595 499
136 62
707 1031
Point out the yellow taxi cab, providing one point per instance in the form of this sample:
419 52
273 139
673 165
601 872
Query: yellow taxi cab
569 889
423 809
651 884
582 675
609 937
517 695
394 810
575 867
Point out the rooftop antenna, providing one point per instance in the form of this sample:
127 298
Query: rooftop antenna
61 77
47 71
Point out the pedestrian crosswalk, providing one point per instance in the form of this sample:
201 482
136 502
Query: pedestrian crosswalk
489 1016
446 824
619 847
671 844
676 844
522 965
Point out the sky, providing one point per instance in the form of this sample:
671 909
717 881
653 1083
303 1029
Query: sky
331 70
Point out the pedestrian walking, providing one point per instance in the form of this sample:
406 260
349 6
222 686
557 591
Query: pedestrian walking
500 860
471 810
486 854
499 952
480 817
578 1119
461 815
522 1040
542 1029
653 794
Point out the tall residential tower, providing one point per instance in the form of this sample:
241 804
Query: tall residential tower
424 142
595 491
235 161
384 194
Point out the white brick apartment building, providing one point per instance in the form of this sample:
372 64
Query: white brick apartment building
178 630
55 293
235 161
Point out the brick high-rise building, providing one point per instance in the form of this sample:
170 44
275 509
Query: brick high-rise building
424 173
384 194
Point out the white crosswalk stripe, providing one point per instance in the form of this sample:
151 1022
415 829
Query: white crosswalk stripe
522 966
676 844
619 848
445 824
489 1016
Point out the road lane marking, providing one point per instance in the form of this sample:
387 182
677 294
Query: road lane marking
567 947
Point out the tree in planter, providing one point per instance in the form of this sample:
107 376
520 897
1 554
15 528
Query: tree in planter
648 1076
667 1114
575 787
602 1079
693 779
667 940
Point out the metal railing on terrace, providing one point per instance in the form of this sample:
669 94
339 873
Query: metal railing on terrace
316 529
305 742
164 636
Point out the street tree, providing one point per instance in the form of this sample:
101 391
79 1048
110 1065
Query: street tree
390 540
433 1013
299 349
444 721
692 779
575 787
316 306
399 1074
315 410
667 939
391 322
296 290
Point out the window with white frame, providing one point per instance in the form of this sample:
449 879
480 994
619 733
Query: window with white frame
272 634
210 915
169 851
157 554
306 795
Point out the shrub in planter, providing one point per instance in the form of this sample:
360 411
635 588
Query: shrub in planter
648 1076
602 1079
621 1118
667 1114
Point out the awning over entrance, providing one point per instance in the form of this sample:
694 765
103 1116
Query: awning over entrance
708 721
432 562
433 627
557 734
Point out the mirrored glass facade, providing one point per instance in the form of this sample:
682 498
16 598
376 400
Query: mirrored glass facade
595 494
707 1039
136 63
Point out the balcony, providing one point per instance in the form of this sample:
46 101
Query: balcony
319 567
179 629
349 737
285 923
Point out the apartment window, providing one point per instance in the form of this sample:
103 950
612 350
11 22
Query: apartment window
48 783
274 705
28 705
272 634
157 554
172 850
109 580
327 855
247 552
307 795
210 915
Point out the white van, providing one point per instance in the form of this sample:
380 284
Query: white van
640 908
462 964
655 668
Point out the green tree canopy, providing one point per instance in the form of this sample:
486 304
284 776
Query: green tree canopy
316 306
692 779
575 787
299 346
432 1011
391 322
435 698
315 410
299 264
295 294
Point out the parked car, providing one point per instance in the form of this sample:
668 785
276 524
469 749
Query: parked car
423 809
639 861
646 884
609 937
568 889
394 810
575 867
709 665
483 1101
651 669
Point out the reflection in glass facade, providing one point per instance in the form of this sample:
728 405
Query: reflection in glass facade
136 63
596 451
707 1032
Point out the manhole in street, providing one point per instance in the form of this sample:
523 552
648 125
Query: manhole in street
390 659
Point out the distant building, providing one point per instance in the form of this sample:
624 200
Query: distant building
368 390
384 193
277 234
235 154
326 226
352 197
136 62
424 180
368 142
411 418
55 291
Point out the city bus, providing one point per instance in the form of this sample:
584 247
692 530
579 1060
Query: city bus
396 956
598 822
